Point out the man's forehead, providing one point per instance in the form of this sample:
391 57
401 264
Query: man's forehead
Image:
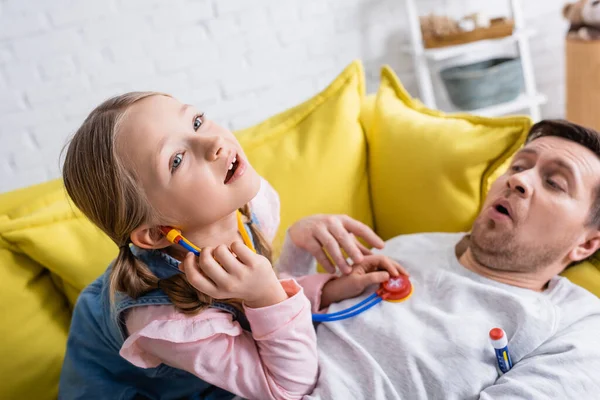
554 145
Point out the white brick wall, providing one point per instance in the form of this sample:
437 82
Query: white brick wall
240 60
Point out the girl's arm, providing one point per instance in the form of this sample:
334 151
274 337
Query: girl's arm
278 360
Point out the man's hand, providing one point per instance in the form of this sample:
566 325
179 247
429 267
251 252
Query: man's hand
332 233
374 269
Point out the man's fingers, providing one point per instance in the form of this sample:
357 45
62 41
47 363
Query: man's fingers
346 241
363 231
332 247
315 249
363 249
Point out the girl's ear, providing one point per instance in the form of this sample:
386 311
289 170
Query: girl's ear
149 237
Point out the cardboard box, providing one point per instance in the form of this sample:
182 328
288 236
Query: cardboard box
583 82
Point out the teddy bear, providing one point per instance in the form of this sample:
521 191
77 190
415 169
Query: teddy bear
584 16
437 25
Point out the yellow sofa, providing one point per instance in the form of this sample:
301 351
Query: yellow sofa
384 159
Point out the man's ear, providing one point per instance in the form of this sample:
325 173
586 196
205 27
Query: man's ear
586 248
149 237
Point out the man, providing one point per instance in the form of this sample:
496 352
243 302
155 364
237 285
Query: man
541 216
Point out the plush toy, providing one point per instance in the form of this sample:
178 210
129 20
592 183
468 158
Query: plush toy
437 25
584 16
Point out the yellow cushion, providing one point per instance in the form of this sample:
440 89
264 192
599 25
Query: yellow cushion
35 322
586 274
429 171
315 154
367 111
50 230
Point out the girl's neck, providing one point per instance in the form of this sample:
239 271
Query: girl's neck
223 231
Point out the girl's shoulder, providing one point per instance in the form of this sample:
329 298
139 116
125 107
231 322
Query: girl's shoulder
167 324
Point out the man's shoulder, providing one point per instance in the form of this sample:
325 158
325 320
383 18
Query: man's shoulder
575 303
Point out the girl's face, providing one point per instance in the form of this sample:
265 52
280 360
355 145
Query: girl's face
193 171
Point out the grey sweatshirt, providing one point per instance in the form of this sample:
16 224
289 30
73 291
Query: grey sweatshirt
436 344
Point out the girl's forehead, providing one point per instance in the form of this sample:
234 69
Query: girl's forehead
150 114
155 104
145 128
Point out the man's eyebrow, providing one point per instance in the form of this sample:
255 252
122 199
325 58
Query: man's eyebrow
566 166
527 150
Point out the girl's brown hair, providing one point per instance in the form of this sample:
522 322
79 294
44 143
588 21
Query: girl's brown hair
110 196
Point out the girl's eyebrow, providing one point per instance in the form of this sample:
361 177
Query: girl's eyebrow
157 158
183 109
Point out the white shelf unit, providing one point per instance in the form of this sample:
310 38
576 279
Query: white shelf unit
529 100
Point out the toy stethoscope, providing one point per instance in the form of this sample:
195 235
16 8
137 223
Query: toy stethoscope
395 290
174 236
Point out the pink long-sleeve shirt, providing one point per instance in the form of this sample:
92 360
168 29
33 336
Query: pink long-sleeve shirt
277 360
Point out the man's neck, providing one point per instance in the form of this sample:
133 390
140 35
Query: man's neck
223 231
527 280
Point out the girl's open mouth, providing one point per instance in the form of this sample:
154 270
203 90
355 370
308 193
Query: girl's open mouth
233 166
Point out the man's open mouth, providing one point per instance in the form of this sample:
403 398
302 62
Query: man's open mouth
502 210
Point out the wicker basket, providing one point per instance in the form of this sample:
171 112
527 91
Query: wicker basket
484 83
500 27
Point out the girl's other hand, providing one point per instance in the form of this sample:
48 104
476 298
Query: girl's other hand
374 269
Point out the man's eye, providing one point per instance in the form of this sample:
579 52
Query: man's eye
516 168
198 121
554 185
177 160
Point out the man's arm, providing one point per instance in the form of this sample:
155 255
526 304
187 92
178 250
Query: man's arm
564 367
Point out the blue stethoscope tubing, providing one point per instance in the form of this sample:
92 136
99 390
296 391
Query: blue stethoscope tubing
356 309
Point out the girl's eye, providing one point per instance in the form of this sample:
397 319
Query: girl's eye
516 168
177 160
198 121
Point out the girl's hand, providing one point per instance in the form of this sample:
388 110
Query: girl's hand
373 269
249 277
333 233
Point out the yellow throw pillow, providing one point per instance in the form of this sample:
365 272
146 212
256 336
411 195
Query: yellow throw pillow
52 231
430 171
35 322
367 111
315 154
586 274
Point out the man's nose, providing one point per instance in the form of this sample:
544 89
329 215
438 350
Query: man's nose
519 184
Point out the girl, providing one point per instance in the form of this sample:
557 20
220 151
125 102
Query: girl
143 161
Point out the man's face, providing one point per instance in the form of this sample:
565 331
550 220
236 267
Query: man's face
536 214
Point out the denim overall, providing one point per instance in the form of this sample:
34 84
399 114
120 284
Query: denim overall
93 368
